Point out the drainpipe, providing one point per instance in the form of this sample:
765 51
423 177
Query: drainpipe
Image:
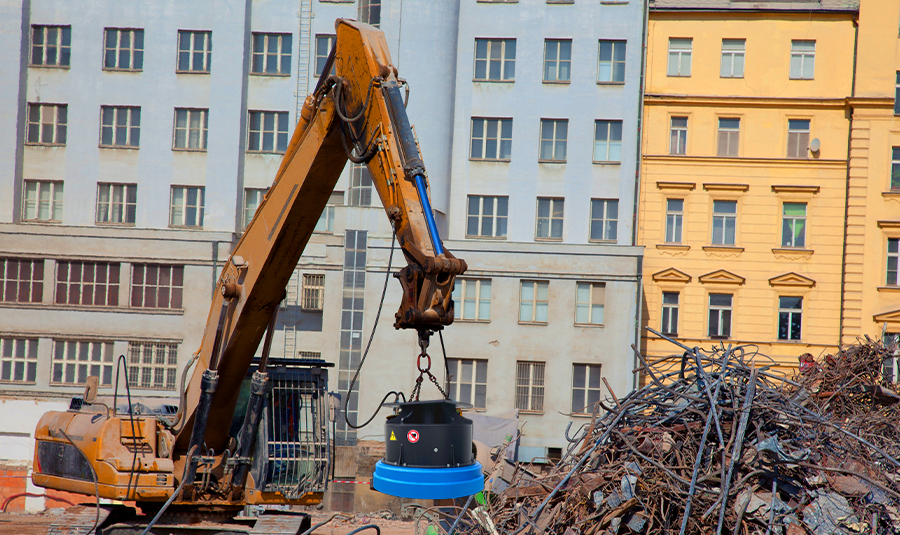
847 185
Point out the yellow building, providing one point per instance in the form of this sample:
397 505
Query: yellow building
744 172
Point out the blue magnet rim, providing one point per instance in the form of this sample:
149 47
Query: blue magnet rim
428 483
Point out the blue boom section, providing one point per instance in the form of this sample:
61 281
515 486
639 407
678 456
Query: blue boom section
429 216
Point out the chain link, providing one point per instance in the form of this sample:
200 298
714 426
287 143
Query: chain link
424 335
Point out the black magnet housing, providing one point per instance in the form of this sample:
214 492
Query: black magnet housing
428 434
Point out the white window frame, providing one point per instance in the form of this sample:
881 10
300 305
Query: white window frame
545 226
798 138
370 12
790 237
85 281
608 222
253 197
501 139
480 299
477 208
724 315
47 124
326 220
283 68
674 222
361 188
609 71
173 294
468 389
33 205
193 130
790 315
540 308
18 285
322 53
591 389
152 365
557 68
506 64
62 48
113 124
18 357
733 55
588 297
803 60
199 50
178 214
313 292
134 53
91 358
669 315
119 206
530 384
729 137
556 133
895 170
680 50
724 221
278 131
892 270
608 149
678 135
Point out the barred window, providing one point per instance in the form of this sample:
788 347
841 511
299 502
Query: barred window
156 286
194 51
124 49
271 54
310 355
313 292
120 126
152 365
468 381
191 126
585 387
47 124
530 386
87 283
21 280
268 131
75 360
51 46
116 203
18 360
43 200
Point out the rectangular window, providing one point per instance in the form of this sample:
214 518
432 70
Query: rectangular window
530 386
152 365
75 360
156 286
893 259
732 58
21 280
116 203
87 283
589 300
720 315
895 169
670 313
120 126
472 299
790 315
271 54
897 95
124 49
252 198
798 138
549 219
487 216
724 222
585 388
803 60
491 139
495 60
324 44
191 126
604 219
793 224
674 218
370 12
678 135
533 301
43 200
612 61
18 360
51 46
326 220
360 185
268 131
313 292
607 141
194 51
554 135
680 56
729 132
47 124
557 60
186 207
468 381
889 366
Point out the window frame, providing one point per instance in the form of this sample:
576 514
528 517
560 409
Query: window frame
329 40
12 280
548 222
554 141
369 12
361 186
74 286
59 129
535 301
280 138
132 130
795 136
674 221
557 63
590 372
669 313
897 95
200 207
734 53
127 206
892 262
505 62
592 287
793 220
894 175
11 357
790 315
681 52
63 46
804 56
135 54
461 297
103 366
147 367
174 294
205 52
202 129
721 311
605 221
260 192
498 203
613 63
499 141
609 141
282 58
455 381
54 204
722 219
732 139
678 134
527 388
312 292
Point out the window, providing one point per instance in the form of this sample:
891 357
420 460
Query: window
75 360
533 300
554 133
495 60
271 54
116 203
43 200
612 61
47 124
491 139
268 131
360 185
472 299
732 58
604 219
314 355
326 219
124 49
724 222
557 60
324 44
313 292
120 126
530 386
895 169
468 381
87 283
793 224
21 280
585 387
670 313
607 141
370 12
156 286
720 315
897 95
18 360
674 218
589 299
51 46
549 219
487 216
798 138
186 207
790 312
152 365
893 259
678 135
680 56
191 126
194 51
889 365
803 60
729 132
252 198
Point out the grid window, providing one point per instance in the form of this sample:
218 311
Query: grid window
252 198
803 60
724 222
793 224
116 203
124 49
87 283
733 58
604 219
472 299
120 126
47 124
191 126
533 301
670 313
530 386
585 388
557 60
495 60
893 259
468 381
43 200
186 207
360 185
491 139
194 51
21 280
720 315
51 46
895 168
18 360
729 133
271 54
487 216
75 360
554 135
589 300
313 292
268 131
324 44
313 355
152 365
798 138
549 219
370 12
790 316
156 286
674 220
607 141
680 56
612 61
678 135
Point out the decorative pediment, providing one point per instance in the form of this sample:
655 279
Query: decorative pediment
689 186
721 277
672 275
888 317
792 279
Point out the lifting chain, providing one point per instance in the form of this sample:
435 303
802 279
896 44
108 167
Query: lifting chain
424 336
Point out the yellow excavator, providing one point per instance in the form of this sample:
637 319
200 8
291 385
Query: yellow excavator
192 468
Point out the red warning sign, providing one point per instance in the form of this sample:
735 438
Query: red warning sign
413 436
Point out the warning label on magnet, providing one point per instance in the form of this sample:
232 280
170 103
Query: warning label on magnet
393 436
413 436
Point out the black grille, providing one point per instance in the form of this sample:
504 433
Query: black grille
63 460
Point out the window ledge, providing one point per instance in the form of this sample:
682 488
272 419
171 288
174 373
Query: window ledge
612 3
465 320
723 249
185 227
478 1
41 221
263 152
110 224
792 78
61 67
523 411
178 149
540 323
91 308
731 77
552 161
613 241
548 239
110 69
792 251
128 147
560 1
611 82
274 75
891 193
889 288
673 246
491 160
590 325
558 82
605 162
678 75
470 237
191 72
487 81
35 144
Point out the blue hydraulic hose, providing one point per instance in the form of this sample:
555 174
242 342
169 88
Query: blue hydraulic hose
429 216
